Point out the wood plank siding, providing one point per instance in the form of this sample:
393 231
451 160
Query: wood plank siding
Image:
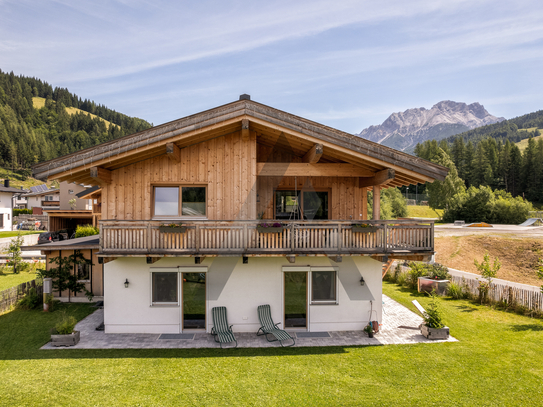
224 165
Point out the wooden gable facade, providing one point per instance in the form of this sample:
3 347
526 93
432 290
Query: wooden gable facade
242 153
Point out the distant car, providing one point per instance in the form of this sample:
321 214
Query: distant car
48 237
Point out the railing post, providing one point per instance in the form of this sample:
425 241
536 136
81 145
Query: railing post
292 237
339 237
245 237
197 242
385 238
148 236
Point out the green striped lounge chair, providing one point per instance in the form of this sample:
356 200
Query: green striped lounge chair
221 331
268 328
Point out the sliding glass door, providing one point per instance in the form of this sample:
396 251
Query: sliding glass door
194 300
295 299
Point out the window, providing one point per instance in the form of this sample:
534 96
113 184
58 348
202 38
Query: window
323 287
307 205
70 191
83 272
180 201
164 288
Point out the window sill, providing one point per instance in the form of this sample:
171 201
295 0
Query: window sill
171 305
324 303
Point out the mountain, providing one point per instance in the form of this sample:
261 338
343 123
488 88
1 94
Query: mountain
403 130
39 122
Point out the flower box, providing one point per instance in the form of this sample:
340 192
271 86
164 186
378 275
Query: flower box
271 229
361 229
65 340
169 229
434 333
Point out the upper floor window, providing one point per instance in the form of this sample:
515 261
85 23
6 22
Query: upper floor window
180 201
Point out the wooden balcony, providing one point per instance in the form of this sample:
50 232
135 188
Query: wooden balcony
399 239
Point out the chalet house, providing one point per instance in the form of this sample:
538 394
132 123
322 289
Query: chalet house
6 205
244 205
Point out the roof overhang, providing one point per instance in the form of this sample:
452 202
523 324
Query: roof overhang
273 127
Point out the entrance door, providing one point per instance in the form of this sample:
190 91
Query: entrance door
295 299
194 300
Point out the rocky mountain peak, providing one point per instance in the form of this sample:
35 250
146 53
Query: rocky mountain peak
403 130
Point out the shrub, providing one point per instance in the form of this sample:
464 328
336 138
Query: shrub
455 291
66 325
401 279
438 271
433 317
87 230
30 301
17 212
416 270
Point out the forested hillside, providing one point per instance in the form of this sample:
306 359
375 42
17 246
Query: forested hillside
29 135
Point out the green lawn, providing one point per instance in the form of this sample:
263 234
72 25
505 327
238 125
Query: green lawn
420 211
16 232
8 279
497 362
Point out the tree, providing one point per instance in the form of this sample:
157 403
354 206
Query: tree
14 251
64 276
440 193
488 273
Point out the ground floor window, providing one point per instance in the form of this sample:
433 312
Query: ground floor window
323 287
83 272
164 288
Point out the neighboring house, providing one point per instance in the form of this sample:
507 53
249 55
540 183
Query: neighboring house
67 216
20 201
223 174
6 205
41 197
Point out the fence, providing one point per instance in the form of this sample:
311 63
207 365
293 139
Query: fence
9 297
532 300
44 219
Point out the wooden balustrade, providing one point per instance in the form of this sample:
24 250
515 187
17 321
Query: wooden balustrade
244 237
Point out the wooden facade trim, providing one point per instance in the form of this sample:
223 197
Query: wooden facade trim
310 170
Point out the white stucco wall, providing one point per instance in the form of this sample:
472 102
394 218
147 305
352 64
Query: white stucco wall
241 288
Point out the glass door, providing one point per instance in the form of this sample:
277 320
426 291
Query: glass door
315 205
295 299
194 300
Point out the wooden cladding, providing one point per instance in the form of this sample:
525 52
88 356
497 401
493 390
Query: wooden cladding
100 175
226 165
313 170
243 237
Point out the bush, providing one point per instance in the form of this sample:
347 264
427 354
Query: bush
416 270
455 291
87 230
484 205
17 212
438 271
66 325
401 279
30 301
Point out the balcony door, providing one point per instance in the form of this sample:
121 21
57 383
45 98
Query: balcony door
298 205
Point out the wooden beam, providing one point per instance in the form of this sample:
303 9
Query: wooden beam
291 259
314 155
100 175
151 260
245 129
173 152
311 170
376 202
380 178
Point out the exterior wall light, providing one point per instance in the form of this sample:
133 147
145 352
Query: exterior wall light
362 282
126 283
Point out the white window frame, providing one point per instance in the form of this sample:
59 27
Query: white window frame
323 268
163 270
180 201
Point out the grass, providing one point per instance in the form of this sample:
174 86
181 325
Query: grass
8 279
16 232
40 102
522 144
420 211
497 362
17 180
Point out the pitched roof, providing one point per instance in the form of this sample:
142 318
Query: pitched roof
11 189
271 124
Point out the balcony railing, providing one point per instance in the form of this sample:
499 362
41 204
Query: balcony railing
138 238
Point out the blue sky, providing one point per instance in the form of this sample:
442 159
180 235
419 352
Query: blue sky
346 64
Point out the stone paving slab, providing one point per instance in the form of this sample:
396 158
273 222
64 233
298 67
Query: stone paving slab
395 316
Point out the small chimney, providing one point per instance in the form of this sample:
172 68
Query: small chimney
245 96
6 183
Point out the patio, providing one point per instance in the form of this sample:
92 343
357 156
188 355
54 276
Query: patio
400 326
